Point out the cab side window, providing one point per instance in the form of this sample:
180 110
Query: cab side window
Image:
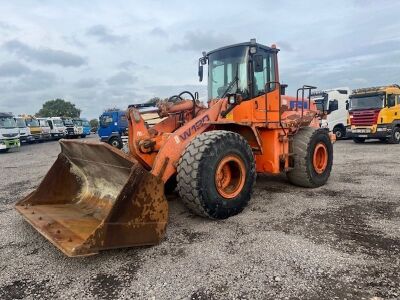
391 100
265 75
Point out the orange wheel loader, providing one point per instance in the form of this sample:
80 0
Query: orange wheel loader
96 197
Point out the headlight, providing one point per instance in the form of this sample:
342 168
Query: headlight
381 129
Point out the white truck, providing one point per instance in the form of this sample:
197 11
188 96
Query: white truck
57 127
46 132
25 135
336 119
9 133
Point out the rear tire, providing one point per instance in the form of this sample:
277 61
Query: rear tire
358 140
313 158
395 137
216 174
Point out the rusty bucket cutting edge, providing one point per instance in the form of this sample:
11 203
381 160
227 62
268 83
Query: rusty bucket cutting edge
95 197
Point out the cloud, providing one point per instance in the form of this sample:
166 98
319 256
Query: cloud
87 83
159 32
164 91
35 81
202 40
7 27
285 46
44 56
103 34
13 69
121 78
127 65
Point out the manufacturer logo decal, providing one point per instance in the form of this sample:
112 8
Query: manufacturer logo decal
196 126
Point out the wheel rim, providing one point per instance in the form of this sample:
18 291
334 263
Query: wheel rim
397 135
320 158
115 143
338 134
230 176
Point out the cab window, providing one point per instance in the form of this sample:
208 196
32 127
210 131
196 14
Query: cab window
391 100
265 75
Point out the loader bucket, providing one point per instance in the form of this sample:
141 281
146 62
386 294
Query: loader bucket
95 197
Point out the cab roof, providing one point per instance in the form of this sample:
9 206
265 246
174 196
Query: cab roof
375 89
260 46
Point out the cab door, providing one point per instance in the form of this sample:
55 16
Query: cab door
266 102
392 106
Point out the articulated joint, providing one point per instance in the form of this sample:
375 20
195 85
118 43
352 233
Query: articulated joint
146 146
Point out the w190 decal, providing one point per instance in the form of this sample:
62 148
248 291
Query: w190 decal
196 126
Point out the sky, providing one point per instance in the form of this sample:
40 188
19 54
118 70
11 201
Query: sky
102 54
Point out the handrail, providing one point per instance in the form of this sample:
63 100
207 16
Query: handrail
266 89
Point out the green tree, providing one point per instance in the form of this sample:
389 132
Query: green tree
94 123
59 108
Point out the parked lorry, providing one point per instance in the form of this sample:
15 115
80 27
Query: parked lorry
9 132
57 127
113 126
25 135
46 131
71 131
374 113
34 128
86 127
78 126
332 103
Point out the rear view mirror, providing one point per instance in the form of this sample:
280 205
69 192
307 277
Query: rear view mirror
347 104
200 72
258 63
333 105
283 89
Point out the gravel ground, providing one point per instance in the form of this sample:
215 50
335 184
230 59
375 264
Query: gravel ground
341 240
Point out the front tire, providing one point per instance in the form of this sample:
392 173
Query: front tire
340 132
216 174
395 137
116 142
4 150
313 158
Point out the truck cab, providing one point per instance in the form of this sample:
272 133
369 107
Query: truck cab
9 133
71 131
34 128
46 132
332 103
86 127
79 127
57 127
24 131
374 113
113 126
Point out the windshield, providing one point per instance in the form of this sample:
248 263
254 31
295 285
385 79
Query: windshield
320 104
7 122
32 122
227 72
105 120
366 102
77 122
43 123
85 123
20 123
68 122
58 123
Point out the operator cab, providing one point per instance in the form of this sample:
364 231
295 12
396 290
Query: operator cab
242 69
